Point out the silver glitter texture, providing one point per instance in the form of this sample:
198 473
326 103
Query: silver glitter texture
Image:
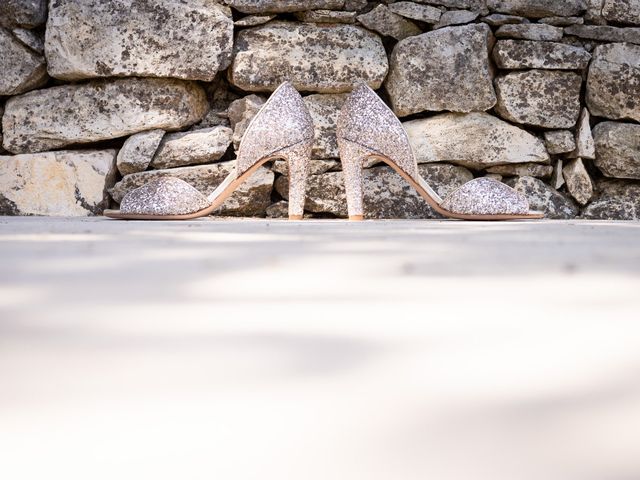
282 121
486 196
164 196
366 120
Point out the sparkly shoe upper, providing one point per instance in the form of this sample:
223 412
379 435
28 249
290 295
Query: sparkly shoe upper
163 196
366 120
281 122
486 196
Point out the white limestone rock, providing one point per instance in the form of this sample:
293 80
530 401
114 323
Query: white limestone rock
476 140
314 57
447 69
155 38
63 183
100 110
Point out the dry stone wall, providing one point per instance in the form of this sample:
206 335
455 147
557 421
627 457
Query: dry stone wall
99 96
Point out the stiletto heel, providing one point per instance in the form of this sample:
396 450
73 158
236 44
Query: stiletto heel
352 156
283 128
297 157
368 128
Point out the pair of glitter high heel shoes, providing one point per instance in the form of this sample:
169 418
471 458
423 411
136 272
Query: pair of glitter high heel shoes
283 129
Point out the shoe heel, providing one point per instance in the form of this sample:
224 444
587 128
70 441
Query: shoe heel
298 157
352 156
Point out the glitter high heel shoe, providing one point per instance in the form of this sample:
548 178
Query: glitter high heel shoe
367 128
283 128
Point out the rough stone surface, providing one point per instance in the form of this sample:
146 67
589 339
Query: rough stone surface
326 16
278 210
386 194
155 38
192 148
615 200
476 140
522 54
447 69
523 170
499 19
23 13
538 8
604 33
585 147
542 197
578 181
99 110
281 6
480 5
613 84
557 179
562 21
618 149
456 17
137 151
622 11
253 20
314 57
241 112
251 199
531 31
22 68
324 109
30 38
415 11
559 141
387 23
64 183
542 98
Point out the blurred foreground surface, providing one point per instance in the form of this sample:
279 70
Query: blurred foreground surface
399 350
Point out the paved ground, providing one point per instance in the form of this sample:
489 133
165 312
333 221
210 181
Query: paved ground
242 350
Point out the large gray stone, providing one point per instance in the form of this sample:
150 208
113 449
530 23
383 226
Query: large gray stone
324 109
192 148
314 57
415 11
543 198
538 8
517 55
604 33
278 6
22 68
542 98
153 38
613 84
479 5
137 151
623 11
23 13
531 31
618 149
615 200
578 181
499 19
64 183
386 194
447 69
33 40
456 17
389 24
475 140
250 199
100 110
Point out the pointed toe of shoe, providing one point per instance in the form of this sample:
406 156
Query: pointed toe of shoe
163 196
486 196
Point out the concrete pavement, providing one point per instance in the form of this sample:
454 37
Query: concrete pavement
256 349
